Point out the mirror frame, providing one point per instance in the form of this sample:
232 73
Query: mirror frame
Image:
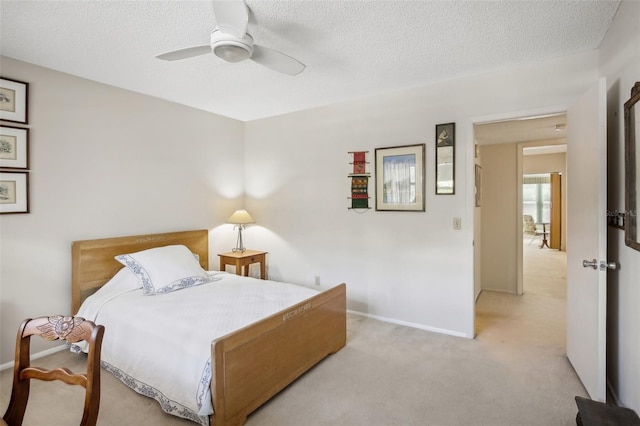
632 144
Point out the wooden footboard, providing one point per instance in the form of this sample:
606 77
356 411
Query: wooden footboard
254 363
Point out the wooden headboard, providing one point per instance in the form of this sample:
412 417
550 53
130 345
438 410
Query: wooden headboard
93 261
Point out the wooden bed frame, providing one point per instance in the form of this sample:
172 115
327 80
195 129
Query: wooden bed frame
250 365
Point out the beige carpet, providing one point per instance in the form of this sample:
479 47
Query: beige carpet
514 373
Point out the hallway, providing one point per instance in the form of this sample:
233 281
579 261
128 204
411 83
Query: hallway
539 315
528 332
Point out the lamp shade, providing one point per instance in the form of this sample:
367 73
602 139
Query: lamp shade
240 217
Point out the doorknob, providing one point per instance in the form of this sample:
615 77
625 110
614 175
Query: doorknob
590 264
608 265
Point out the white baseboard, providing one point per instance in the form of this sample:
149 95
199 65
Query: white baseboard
36 356
412 324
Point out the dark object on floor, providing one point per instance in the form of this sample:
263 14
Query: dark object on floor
594 413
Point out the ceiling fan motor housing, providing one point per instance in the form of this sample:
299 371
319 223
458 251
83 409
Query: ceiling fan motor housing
231 48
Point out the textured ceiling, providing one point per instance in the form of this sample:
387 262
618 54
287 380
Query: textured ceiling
352 49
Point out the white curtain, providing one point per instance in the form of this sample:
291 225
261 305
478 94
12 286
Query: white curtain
400 179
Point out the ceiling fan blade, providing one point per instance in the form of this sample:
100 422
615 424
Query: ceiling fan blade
277 61
189 52
232 16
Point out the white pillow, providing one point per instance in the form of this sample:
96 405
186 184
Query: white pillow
165 269
123 280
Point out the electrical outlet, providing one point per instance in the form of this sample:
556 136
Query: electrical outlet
317 280
457 223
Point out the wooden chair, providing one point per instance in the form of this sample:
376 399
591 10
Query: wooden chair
71 329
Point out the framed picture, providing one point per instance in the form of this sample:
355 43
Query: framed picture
14 147
445 159
13 100
14 192
400 178
478 186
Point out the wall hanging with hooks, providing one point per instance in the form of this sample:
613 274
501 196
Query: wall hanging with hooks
359 181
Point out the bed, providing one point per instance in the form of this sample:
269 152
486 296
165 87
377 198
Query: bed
248 365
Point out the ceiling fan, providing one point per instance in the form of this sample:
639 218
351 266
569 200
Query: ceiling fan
231 42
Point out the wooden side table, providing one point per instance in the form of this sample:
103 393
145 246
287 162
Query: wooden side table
242 260
544 234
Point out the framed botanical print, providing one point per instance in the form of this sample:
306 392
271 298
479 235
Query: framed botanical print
400 178
14 98
14 192
14 147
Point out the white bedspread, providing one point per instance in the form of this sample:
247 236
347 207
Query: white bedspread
161 345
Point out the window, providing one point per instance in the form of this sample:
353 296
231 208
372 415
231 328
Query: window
536 197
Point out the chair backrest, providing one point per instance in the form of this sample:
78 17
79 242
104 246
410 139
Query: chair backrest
71 329
528 224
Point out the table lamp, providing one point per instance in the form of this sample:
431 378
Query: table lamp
240 218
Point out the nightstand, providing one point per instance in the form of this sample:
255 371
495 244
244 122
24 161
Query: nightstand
242 260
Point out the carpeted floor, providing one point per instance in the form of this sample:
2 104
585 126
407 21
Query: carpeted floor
515 373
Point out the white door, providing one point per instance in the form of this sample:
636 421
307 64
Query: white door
587 239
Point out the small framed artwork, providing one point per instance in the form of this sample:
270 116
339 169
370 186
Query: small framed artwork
478 186
400 172
14 147
14 192
445 159
14 96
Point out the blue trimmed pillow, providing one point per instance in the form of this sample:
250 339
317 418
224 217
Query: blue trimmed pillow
165 269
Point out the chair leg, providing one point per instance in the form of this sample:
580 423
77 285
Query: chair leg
20 390
18 403
91 406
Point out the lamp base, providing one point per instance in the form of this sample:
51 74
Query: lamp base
240 248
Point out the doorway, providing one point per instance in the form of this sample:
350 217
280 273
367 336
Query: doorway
507 151
542 194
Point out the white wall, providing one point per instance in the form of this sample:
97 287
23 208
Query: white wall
498 227
108 162
477 234
544 163
405 266
620 64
